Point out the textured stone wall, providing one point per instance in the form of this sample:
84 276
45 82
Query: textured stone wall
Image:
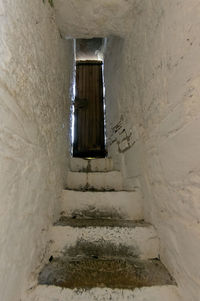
153 80
94 18
33 136
122 112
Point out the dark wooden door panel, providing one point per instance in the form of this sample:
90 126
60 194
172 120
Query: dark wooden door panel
89 113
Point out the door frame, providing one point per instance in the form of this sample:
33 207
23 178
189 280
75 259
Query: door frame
96 153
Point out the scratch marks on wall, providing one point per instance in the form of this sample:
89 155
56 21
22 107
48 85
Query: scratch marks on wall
123 135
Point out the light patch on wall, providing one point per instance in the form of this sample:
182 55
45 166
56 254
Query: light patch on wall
89 49
73 95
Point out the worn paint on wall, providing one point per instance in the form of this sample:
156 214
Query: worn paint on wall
153 80
33 136
123 113
94 18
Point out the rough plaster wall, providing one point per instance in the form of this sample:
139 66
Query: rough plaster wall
171 121
33 136
94 18
89 49
121 111
159 60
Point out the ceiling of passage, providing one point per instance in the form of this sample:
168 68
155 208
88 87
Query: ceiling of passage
95 18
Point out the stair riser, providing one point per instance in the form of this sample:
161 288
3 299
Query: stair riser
155 293
115 205
94 181
94 165
140 242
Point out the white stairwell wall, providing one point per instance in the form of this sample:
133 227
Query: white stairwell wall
152 96
34 83
152 85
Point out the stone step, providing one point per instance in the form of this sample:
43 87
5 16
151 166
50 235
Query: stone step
111 204
87 272
99 181
103 237
91 165
55 293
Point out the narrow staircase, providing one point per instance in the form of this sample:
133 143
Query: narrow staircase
101 248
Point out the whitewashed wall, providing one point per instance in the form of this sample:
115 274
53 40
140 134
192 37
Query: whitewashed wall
152 92
94 18
153 84
33 136
122 112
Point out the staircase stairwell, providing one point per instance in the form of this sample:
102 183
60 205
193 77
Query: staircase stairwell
101 247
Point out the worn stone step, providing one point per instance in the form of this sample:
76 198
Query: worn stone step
55 293
109 204
104 236
100 181
87 272
91 165
91 222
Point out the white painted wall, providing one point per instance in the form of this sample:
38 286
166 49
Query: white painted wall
33 136
94 18
153 80
122 112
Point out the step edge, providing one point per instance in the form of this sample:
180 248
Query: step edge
146 226
171 287
99 191
97 172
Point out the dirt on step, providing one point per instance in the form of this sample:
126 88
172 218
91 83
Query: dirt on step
101 222
90 272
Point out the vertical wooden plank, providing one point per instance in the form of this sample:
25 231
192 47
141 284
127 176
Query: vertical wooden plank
101 108
96 68
83 125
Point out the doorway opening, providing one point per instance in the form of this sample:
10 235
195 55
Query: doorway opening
88 105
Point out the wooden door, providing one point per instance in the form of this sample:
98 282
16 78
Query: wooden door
89 112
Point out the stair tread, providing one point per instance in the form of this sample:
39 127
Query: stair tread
92 189
127 205
101 222
153 293
89 272
100 192
94 180
95 172
96 165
